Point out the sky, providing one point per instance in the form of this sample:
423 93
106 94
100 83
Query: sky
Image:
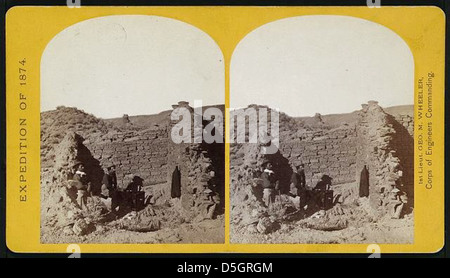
324 64
133 64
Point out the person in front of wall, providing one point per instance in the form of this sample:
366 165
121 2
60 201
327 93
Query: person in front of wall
109 186
270 183
83 185
298 184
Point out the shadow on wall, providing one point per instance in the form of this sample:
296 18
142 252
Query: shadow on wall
92 165
404 145
216 152
283 170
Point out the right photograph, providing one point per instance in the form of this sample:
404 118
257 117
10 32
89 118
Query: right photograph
322 134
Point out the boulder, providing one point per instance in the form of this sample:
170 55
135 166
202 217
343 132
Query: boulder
251 229
265 226
82 227
68 230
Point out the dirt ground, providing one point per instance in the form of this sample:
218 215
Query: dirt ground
389 231
207 231
351 220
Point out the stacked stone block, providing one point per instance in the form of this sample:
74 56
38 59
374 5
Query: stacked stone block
333 153
142 154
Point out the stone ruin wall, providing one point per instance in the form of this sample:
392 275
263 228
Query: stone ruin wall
379 140
407 122
70 135
386 146
144 154
330 152
152 155
342 152
195 162
404 146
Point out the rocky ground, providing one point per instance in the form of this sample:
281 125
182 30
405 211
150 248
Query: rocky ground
353 222
207 231
390 231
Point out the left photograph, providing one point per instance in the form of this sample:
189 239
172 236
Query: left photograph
126 104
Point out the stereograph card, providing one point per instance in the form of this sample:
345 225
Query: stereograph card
225 129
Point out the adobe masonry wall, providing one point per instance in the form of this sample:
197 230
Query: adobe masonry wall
329 152
386 146
342 152
135 153
70 135
152 155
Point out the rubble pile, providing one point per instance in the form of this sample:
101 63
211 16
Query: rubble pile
59 209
